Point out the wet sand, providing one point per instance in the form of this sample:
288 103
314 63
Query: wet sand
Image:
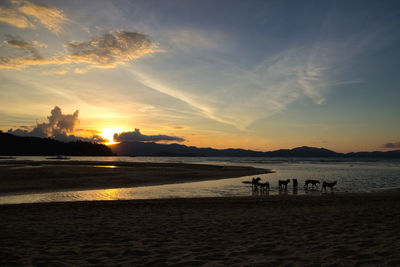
326 230
46 176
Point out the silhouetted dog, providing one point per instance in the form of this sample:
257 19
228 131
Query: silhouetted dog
264 186
294 183
254 183
326 184
283 183
312 182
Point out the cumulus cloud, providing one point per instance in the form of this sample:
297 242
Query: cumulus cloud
392 145
105 51
111 49
138 136
25 14
59 126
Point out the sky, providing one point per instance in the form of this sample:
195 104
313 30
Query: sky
259 75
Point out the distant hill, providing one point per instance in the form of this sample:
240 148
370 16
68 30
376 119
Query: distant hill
154 149
12 145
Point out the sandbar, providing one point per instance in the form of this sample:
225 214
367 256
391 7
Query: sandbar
18 177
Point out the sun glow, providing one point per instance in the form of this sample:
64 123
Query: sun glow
108 133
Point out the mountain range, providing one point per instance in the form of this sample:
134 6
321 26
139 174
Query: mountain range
155 149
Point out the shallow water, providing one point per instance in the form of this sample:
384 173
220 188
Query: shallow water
353 176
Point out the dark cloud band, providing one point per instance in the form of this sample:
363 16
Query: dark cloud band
392 145
138 136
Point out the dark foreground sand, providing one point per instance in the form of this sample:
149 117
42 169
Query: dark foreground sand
43 176
253 231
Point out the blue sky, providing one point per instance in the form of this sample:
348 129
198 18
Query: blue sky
251 74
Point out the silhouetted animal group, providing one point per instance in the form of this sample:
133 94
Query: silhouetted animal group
315 183
255 183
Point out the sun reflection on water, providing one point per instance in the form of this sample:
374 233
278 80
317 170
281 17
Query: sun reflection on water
106 166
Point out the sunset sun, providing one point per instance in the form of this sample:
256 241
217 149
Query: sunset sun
108 133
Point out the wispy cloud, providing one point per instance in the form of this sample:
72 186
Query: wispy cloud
226 90
51 18
239 96
29 47
201 108
186 39
14 18
23 62
25 14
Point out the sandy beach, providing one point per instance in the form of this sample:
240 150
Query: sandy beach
44 176
284 230
252 231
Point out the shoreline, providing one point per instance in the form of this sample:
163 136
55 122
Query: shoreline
349 197
17 177
278 230
262 198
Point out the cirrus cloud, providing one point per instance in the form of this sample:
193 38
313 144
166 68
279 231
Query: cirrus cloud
12 17
51 18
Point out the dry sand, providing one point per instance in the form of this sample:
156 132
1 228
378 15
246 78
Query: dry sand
253 231
44 176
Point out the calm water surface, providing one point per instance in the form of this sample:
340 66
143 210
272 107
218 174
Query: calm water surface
353 176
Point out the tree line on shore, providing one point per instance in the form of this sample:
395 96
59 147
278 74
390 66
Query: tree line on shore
12 145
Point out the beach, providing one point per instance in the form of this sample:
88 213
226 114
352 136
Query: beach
246 231
271 230
46 176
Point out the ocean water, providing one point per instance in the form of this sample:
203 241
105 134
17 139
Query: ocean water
352 176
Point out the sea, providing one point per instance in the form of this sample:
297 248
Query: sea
353 176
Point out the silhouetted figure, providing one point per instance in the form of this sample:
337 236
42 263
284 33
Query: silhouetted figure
283 184
312 182
326 184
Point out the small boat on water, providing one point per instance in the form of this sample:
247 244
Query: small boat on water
58 157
